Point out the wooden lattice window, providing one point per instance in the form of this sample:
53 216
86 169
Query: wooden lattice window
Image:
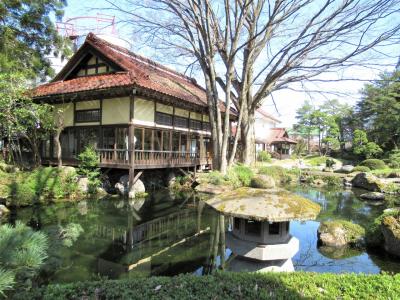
163 119
206 126
195 125
89 115
181 122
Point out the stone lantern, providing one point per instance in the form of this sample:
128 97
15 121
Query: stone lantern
260 234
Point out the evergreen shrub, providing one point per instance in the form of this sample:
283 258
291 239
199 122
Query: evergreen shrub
264 156
361 169
373 164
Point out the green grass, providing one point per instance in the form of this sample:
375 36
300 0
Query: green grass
316 160
41 185
237 176
226 285
384 172
280 174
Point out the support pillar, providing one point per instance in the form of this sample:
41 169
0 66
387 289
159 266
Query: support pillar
131 148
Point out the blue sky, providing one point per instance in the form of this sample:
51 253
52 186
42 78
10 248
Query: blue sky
287 101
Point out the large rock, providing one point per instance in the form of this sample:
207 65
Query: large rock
171 179
262 182
347 168
68 170
209 188
368 182
122 187
340 233
3 210
83 184
391 232
375 196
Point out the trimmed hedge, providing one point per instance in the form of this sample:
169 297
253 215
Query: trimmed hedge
361 169
226 285
373 164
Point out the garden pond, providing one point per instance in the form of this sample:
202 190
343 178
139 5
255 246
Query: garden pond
169 234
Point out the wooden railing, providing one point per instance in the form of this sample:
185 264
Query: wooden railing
151 158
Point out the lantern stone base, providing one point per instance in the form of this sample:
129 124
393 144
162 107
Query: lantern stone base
263 252
239 264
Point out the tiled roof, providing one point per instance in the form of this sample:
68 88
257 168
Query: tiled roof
278 135
80 84
139 71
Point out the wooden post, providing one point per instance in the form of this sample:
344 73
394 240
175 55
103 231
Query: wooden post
131 142
131 148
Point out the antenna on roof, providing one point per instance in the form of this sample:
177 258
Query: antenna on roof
77 28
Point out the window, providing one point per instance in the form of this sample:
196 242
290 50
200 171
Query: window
91 115
195 125
163 119
166 140
273 228
147 138
138 139
69 143
87 137
108 138
121 138
184 140
206 126
175 141
93 65
253 227
180 122
236 223
157 140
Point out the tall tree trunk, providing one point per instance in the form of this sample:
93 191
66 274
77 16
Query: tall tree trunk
57 143
36 154
213 124
226 128
248 138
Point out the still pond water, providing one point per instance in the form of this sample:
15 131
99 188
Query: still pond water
166 234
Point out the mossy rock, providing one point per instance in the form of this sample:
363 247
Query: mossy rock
209 188
368 182
376 196
340 233
3 210
262 182
8 168
391 232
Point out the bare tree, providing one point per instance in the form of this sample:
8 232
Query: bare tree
59 127
248 49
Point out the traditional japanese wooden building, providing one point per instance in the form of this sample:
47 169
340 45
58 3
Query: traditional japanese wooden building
137 113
